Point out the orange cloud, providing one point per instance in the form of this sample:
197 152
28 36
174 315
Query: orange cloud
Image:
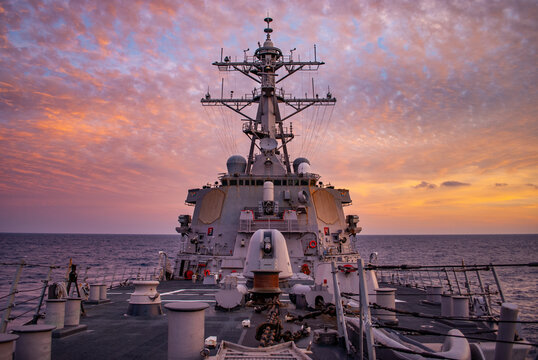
100 109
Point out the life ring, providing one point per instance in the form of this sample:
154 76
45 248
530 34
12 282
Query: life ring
207 272
313 244
188 274
305 269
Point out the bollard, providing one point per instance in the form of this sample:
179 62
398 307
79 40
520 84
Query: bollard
371 281
34 342
460 306
102 292
434 293
95 293
507 330
145 300
185 329
386 297
72 311
6 346
446 305
55 313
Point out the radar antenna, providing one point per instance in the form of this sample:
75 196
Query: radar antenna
268 124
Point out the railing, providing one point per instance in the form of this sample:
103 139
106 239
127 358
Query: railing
249 226
478 282
467 281
22 302
251 127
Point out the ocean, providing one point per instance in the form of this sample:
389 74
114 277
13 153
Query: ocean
115 257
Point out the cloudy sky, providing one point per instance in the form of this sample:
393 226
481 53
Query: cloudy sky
435 129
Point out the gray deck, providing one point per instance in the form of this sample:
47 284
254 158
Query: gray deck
113 334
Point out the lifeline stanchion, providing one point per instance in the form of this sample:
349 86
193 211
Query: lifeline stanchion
42 296
367 317
12 292
341 322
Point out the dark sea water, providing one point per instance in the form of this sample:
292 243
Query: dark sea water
120 256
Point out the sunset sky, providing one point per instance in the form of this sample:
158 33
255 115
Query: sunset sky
435 129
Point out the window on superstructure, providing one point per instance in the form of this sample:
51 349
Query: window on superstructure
240 182
259 182
233 182
304 182
224 182
247 182
313 182
278 182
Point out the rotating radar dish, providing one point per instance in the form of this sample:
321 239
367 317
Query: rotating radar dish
268 144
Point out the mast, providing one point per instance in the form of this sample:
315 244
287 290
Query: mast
266 131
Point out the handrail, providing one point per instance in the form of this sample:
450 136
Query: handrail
467 267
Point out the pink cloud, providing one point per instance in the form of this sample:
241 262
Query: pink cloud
99 98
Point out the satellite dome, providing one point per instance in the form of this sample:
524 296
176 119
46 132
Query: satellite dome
236 164
297 162
303 168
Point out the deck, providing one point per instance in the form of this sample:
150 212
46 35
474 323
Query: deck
113 334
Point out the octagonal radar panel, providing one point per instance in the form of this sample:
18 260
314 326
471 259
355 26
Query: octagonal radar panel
268 144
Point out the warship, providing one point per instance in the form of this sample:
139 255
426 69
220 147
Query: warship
267 190
268 267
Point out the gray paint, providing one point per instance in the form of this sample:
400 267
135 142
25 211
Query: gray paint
225 241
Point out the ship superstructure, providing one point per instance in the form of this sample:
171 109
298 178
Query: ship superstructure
266 190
